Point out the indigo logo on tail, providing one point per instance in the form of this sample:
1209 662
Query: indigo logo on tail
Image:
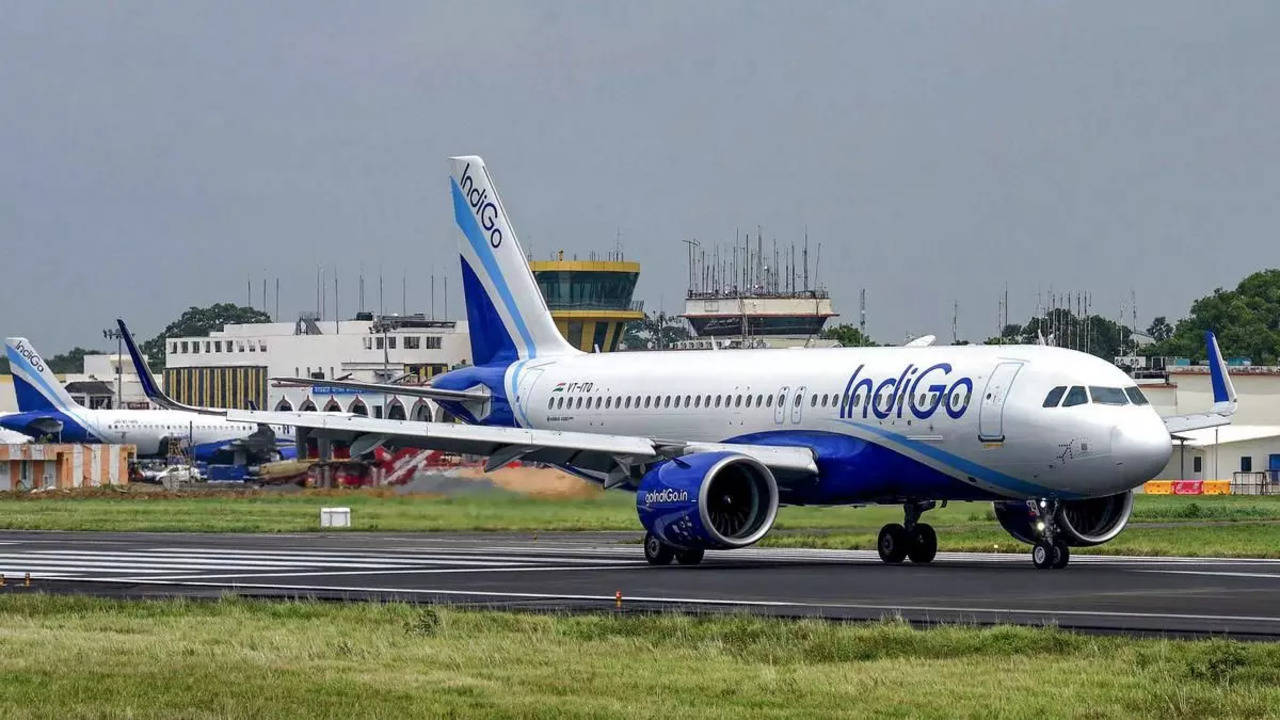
486 212
30 356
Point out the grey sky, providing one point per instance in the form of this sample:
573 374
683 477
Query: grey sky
154 154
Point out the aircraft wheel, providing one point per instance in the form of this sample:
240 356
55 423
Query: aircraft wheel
892 543
1061 555
1043 555
656 551
691 556
924 544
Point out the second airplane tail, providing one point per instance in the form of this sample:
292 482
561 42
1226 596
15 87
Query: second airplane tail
507 316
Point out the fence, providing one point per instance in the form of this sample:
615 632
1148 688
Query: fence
1256 483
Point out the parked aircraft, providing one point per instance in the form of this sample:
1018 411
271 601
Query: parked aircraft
46 410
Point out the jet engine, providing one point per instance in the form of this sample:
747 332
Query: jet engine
713 500
1081 523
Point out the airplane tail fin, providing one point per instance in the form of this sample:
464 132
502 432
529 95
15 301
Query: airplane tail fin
36 387
507 316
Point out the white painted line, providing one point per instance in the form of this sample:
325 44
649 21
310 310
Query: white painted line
1220 573
196 562
416 571
722 601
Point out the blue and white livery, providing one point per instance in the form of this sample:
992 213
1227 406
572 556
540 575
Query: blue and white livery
713 442
45 410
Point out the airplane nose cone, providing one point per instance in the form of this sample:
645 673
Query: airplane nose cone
1141 449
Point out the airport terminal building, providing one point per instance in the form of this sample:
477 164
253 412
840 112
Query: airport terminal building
231 368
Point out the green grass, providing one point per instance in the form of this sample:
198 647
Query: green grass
1239 526
76 657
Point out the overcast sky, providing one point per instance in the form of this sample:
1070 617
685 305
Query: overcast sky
153 155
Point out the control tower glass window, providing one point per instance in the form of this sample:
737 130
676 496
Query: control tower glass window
597 289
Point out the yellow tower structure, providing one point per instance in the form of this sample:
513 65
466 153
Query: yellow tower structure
590 299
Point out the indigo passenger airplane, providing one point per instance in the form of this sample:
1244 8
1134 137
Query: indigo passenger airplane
46 409
712 443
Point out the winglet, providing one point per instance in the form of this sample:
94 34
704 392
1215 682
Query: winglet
1224 395
149 385
1224 392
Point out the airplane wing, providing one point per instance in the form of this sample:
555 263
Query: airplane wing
1224 395
616 459
422 391
149 385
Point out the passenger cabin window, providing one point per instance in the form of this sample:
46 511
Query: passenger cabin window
1075 396
1055 396
1135 395
1108 395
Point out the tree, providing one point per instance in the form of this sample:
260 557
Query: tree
71 361
1093 334
4 366
848 336
199 322
657 331
1160 329
1246 321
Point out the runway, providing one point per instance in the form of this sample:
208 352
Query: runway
584 571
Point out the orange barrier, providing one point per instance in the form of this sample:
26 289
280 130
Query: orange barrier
1158 487
1188 487
39 466
1217 487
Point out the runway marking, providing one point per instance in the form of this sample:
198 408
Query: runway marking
715 601
1221 573
414 571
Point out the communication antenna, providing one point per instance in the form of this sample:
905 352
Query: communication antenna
806 257
862 311
955 316
277 299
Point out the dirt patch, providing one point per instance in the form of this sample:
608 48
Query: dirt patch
538 482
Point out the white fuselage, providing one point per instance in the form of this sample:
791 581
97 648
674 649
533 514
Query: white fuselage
974 413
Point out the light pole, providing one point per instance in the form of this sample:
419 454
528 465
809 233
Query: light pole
114 334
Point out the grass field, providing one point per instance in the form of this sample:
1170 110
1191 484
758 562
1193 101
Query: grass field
1162 524
75 657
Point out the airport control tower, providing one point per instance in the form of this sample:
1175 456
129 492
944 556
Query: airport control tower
748 295
590 299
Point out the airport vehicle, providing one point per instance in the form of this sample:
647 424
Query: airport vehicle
713 442
46 410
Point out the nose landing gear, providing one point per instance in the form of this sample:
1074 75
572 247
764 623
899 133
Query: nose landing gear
912 539
1051 551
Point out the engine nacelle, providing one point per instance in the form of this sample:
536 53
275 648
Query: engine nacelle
716 500
1082 522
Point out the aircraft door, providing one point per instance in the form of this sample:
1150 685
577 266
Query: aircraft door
797 404
780 411
991 413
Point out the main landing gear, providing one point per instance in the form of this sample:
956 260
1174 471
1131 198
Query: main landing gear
1051 551
660 553
912 539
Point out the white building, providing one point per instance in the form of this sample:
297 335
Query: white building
1250 444
231 368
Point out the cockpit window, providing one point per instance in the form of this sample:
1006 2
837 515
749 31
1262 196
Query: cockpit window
1054 396
1075 396
1135 395
1108 395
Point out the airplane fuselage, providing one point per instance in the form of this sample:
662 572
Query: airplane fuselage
954 422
